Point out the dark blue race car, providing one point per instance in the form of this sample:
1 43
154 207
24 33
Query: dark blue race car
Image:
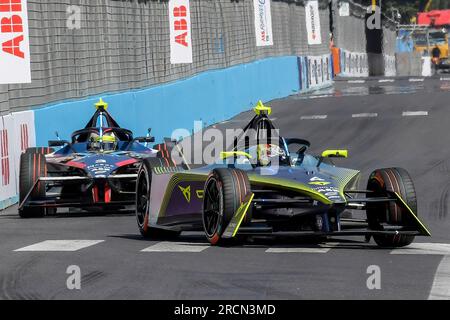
95 170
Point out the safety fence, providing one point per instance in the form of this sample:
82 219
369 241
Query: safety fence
123 45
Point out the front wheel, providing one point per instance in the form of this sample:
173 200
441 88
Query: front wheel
32 166
395 180
225 190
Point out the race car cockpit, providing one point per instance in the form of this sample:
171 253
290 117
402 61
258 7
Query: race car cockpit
262 145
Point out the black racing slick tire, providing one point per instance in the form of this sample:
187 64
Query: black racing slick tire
32 166
143 190
225 190
42 150
395 180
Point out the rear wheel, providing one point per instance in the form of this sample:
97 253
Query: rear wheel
143 191
224 192
395 180
32 166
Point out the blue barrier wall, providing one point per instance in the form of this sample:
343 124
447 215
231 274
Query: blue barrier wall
211 96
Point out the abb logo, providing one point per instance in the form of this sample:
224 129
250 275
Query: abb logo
11 23
180 31
4 157
180 24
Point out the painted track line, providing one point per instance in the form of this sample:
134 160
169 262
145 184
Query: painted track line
385 80
445 79
297 250
314 117
60 245
425 249
440 290
414 113
356 81
365 115
321 248
416 80
167 246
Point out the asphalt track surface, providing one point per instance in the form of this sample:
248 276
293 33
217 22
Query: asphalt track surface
382 124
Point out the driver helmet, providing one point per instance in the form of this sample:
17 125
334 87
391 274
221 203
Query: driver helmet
108 142
268 152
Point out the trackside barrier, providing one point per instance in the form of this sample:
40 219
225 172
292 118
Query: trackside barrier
315 72
353 64
390 69
17 133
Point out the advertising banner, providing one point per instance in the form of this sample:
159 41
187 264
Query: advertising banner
14 42
263 23
23 137
7 163
180 32
313 22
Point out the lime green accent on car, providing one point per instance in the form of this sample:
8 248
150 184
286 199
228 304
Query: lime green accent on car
165 170
238 217
101 104
105 139
186 193
335 154
421 225
260 108
229 154
319 183
288 185
200 193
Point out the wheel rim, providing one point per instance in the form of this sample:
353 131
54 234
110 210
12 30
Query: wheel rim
212 210
142 198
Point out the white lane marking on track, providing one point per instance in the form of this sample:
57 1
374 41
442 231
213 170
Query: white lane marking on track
445 79
322 248
314 117
416 80
298 250
60 245
424 248
386 80
440 290
365 115
414 113
167 246
320 96
356 81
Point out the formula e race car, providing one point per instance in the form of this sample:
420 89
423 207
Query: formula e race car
268 185
96 170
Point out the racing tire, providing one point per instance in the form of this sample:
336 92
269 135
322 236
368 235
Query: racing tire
395 180
225 190
143 188
32 166
42 150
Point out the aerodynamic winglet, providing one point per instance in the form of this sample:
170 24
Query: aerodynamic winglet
238 217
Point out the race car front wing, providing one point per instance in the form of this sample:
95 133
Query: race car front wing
348 227
60 202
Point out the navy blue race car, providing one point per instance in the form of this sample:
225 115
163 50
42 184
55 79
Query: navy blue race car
95 170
